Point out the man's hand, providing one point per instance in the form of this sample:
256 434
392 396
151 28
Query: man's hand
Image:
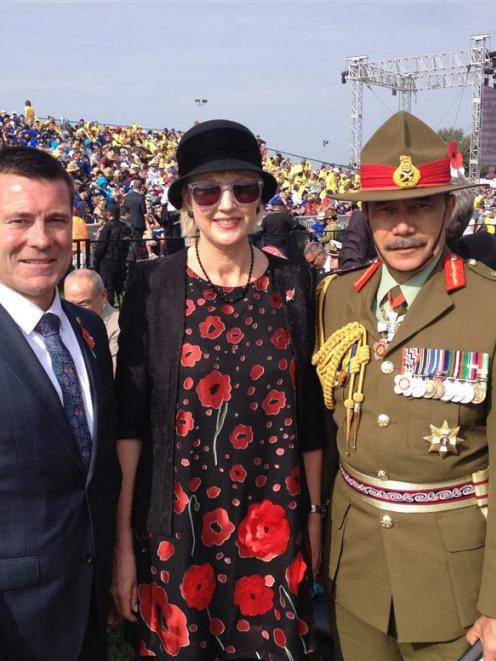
485 629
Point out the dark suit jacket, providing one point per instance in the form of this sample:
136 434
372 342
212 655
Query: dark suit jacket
152 333
136 205
56 520
480 246
358 246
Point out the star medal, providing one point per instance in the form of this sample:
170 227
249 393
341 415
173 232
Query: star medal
443 440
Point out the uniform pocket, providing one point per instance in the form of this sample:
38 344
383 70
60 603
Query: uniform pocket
464 533
17 573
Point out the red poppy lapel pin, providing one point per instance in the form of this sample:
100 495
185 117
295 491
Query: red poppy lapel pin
290 294
87 337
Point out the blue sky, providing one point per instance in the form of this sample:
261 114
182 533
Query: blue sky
272 65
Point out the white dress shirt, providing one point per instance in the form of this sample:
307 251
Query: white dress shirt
27 315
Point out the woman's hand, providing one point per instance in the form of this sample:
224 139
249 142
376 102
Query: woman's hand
124 589
315 539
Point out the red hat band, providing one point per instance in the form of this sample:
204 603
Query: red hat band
406 175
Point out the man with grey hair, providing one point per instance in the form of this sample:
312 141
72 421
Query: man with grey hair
316 255
85 287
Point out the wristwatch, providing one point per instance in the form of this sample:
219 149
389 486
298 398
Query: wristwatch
318 509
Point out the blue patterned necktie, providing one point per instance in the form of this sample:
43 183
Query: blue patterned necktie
65 371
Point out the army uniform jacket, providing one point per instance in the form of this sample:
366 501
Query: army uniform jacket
438 569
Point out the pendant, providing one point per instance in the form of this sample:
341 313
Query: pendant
443 439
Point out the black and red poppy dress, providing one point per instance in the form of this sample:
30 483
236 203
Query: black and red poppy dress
233 580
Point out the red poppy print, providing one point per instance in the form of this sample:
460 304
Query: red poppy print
280 637
190 307
296 572
209 294
180 498
214 389
217 527
241 436
293 482
275 300
235 335
184 422
252 596
165 619
274 401
142 650
264 532
211 328
237 473
165 550
190 354
280 338
292 372
256 372
198 586
262 283
216 626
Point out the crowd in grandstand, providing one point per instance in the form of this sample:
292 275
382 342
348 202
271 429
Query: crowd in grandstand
105 160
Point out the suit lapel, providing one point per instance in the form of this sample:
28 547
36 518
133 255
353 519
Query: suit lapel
19 357
96 390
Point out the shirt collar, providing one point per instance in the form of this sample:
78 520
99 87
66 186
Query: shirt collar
24 312
410 288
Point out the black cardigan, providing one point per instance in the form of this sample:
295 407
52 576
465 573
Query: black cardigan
152 324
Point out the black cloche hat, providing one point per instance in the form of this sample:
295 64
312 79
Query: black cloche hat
215 146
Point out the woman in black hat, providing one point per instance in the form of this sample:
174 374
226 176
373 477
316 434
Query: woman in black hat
219 411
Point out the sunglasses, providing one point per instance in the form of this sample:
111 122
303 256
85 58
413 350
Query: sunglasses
208 194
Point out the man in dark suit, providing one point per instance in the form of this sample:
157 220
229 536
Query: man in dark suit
58 470
135 202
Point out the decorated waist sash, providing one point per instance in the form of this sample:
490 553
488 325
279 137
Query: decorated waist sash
407 497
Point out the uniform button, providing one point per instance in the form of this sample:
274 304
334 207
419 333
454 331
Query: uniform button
387 521
87 558
472 262
383 420
387 367
382 475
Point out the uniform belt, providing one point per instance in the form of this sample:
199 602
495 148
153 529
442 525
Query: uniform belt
396 496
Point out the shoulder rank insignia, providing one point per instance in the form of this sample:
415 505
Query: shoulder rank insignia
454 272
359 284
406 174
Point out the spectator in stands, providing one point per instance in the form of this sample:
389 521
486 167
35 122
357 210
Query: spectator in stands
85 287
111 253
276 227
135 202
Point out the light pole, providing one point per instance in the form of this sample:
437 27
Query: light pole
200 103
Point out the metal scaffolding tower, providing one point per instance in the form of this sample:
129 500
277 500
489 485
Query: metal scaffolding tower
407 75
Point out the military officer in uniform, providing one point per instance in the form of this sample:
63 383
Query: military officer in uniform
406 360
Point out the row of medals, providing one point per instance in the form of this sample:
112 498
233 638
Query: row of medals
412 385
